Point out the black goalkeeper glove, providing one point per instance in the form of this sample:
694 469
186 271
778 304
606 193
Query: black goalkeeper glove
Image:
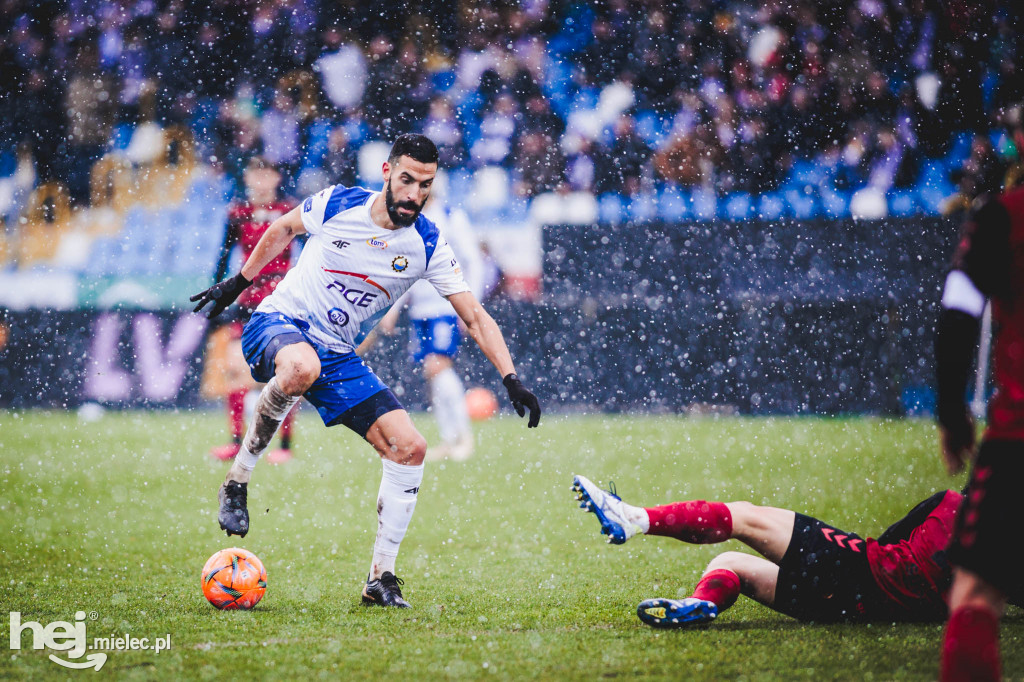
221 295
522 398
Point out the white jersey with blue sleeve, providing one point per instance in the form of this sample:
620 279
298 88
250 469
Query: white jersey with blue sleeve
424 301
352 271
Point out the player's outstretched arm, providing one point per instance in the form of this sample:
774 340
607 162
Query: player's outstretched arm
488 336
277 237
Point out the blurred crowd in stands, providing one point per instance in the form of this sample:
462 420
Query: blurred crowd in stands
612 97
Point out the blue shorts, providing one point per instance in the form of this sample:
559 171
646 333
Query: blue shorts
435 336
346 392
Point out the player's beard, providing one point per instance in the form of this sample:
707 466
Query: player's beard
396 217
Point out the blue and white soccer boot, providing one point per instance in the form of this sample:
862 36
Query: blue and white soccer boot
608 507
676 613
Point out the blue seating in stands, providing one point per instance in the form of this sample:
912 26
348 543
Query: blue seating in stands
835 204
934 173
770 206
120 136
802 204
705 204
610 208
901 203
806 172
738 206
642 207
318 135
930 197
8 162
961 147
673 204
443 80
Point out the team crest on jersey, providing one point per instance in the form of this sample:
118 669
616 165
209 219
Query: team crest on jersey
399 263
377 243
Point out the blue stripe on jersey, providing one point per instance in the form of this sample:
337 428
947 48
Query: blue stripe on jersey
429 233
344 198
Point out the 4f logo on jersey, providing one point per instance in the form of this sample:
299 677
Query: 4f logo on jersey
377 243
357 297
399 263
341 243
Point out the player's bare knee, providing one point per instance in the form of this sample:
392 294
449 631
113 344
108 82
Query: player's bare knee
744 514
730 561
297 372
415 450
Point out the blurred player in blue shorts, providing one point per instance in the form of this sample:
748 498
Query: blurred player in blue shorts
435 335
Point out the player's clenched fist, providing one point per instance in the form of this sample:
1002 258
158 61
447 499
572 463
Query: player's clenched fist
522 398
221 295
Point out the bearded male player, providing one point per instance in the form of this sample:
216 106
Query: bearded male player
365 249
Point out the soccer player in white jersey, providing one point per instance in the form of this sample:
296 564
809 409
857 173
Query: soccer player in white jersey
365 249
435 334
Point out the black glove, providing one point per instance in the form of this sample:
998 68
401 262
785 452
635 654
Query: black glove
521 397
221 294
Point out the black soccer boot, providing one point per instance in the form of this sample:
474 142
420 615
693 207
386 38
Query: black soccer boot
234 514
385 591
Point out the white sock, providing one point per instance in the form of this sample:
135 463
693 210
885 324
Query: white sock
638 516
271 408
448 398
396 500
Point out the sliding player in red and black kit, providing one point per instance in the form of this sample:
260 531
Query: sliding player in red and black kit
247 221
811 571
988 265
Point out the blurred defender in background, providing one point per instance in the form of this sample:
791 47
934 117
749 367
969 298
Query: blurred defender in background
227 373
435 334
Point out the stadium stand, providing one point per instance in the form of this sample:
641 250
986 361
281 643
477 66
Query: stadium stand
684 111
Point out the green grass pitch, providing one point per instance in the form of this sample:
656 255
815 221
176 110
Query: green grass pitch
508 578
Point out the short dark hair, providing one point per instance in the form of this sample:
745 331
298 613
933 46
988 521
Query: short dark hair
417 147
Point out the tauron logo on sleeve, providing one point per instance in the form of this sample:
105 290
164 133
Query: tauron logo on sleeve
307 205
377 243
399 263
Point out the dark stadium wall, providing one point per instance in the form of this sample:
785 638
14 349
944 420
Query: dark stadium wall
756 318
116 358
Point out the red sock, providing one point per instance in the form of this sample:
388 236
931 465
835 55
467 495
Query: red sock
970 649
236 414
286 428
720 587
695 521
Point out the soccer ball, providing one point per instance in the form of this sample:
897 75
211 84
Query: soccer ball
481 404
234 579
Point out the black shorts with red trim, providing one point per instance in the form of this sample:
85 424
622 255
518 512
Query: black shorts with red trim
990 517
825 577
